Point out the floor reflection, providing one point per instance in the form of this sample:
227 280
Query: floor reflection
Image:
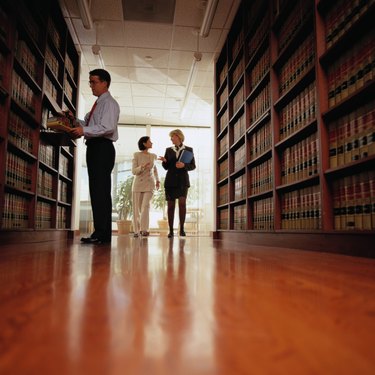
182 306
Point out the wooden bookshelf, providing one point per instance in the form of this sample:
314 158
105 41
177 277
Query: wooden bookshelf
295 126
38 78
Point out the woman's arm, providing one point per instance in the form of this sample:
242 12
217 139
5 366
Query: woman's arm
164 160
136 169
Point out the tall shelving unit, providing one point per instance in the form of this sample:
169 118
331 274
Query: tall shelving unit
295 126
39 75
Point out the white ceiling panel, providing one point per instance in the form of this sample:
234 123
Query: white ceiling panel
148 102
110 33
119 74
148 90
175 91
148 75
146 57
172 104
144 35
114 56
150 62
107 10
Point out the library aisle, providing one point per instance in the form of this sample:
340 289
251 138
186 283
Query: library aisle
183 306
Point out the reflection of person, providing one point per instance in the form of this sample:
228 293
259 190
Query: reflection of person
100 131
146 174
177 180
176 306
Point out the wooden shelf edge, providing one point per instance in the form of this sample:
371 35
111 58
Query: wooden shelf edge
353 244
8 237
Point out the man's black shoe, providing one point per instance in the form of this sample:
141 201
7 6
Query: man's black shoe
91 240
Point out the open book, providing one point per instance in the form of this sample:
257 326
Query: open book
59 124
186 156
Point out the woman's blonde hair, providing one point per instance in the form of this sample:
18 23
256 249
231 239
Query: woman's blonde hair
179 134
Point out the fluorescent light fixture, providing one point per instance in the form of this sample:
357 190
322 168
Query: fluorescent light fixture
98 55
190 82
84 10
208 18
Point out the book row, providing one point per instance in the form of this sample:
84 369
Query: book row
298 64
18 172
351 71
68 88
341 17
300 160
22 93
223 97
223 120
354 202
20 133
223 196
43 215
223 219
296 18
260 141
301 209
223 145
239 128
261 178
238 99
258 36
2 67
352 136
299 112
50 87
52 62
55 36
45 184
237 43
223 169
260 104
64 165
62 217
239 158
263 214
240 187
63 191
3 25
260 69
239 215
16 212
27 58
237 72
47 154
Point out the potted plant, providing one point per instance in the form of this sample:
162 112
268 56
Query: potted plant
159 202
124 205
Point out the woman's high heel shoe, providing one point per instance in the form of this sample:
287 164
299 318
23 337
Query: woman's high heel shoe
182 233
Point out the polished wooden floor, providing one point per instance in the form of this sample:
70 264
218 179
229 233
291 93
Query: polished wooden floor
189 306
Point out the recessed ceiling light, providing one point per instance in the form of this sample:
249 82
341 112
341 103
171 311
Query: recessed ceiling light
148 114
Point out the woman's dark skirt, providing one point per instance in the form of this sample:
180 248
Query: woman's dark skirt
172 193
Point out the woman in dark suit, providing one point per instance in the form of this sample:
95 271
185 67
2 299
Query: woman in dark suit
177 181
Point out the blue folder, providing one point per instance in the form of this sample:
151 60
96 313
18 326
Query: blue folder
186 156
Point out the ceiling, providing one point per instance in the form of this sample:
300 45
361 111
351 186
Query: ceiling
149 60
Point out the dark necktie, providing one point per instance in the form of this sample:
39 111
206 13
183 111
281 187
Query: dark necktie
91 112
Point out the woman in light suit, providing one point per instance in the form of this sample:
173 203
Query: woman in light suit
146 178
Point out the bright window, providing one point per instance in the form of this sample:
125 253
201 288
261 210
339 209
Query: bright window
199 219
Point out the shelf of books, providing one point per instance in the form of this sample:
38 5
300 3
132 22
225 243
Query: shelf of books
295 126
39 72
